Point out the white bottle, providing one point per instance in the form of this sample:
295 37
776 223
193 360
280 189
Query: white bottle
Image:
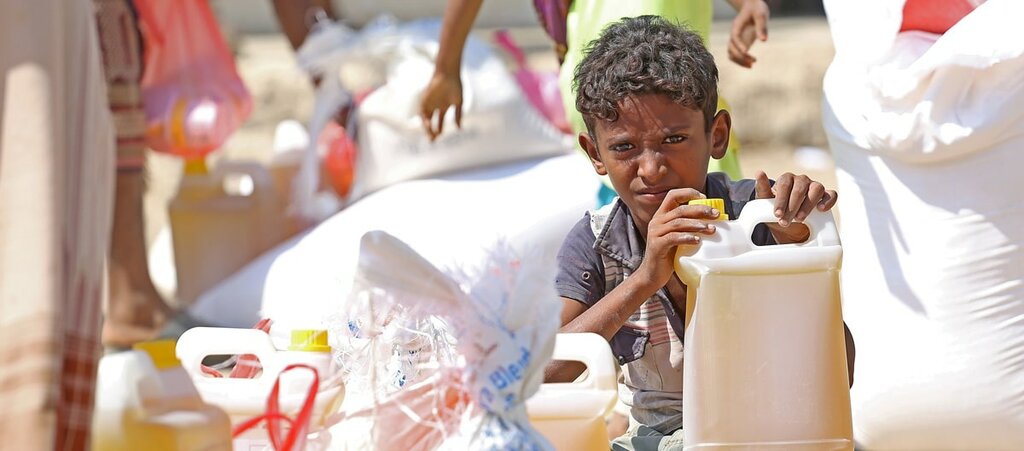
145 400
572 415
247 398
764 347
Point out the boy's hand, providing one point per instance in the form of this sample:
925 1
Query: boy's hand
674 224
751 22
795 196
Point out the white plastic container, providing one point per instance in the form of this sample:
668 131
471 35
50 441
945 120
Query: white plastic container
246 398
765 351
145 400
572 415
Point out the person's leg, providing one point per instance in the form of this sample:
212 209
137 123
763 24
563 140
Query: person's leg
136 311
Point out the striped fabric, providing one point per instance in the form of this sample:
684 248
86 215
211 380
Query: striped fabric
56 196
122 63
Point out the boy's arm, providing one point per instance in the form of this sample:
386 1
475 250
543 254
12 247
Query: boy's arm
445 88
604 318
751 22
675 224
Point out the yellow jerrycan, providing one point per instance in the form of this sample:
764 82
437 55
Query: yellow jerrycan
571 415
145 400
221 220
764 345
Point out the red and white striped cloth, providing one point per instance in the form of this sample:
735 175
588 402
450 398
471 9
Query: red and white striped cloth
57 164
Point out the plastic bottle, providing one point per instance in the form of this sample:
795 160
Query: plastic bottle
145 400
220 221
765 352
571 415
246 398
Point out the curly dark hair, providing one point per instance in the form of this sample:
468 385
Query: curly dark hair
645 54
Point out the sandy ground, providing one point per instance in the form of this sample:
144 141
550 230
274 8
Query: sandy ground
776 105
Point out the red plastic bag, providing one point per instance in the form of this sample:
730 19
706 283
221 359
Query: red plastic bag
192 94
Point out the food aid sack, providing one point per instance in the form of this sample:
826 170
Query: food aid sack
393 62
925 131
443 359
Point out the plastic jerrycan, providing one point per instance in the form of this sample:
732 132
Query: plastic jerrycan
572 415
247 398
765 351
216 230
145 400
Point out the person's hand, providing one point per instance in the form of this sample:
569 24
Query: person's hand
751 22
674 224
795 197
442 93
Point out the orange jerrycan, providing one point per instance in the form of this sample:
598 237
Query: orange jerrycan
221 220
765 351
571 415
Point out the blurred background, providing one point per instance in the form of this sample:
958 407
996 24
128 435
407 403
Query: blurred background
776 105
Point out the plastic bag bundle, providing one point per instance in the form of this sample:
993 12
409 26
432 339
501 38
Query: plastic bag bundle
193 95
444 360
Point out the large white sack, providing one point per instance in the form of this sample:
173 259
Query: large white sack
499 124
450 221
928 146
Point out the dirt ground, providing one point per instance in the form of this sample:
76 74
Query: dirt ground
776 105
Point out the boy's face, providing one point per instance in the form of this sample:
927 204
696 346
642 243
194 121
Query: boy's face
654 146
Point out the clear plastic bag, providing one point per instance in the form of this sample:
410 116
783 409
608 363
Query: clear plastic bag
192 94
444 360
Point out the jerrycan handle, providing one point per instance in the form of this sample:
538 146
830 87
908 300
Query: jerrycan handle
822 225
199 342
594 352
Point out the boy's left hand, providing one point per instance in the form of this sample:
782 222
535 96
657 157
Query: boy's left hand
795 196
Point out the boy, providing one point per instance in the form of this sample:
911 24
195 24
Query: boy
647 91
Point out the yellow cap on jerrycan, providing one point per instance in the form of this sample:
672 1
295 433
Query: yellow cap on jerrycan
309 340
713 203
161 352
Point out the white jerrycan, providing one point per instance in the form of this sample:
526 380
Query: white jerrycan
765 350
246 398
571 415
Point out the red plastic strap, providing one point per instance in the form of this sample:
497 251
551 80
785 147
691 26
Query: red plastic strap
273 416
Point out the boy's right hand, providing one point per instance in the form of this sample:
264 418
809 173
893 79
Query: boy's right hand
674 224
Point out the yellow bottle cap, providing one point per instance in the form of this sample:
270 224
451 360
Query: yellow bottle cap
309 340
196 166
161 352
713 203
